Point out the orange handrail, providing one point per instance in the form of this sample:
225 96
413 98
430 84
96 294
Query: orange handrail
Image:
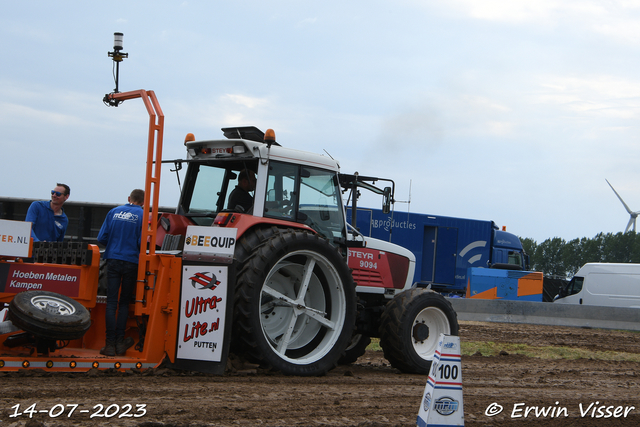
147 264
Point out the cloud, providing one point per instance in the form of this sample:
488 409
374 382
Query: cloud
23 106
479 116
11 112
508 10
619 19
204 114
497 128
307 22
537 100
29 33
603 96
418 123
245 101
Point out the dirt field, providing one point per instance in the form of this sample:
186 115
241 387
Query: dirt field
368 393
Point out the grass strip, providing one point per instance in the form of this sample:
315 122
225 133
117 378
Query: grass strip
489 348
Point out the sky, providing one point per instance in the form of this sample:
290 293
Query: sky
504 110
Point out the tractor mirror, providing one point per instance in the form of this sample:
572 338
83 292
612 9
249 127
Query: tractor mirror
386 200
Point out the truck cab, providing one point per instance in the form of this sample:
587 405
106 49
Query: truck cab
507 252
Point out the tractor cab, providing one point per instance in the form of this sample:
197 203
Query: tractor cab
290 185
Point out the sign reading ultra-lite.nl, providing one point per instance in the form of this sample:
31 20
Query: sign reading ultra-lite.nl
15 237
203 305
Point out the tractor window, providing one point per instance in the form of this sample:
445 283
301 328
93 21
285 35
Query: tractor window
307 195
203 188
281 191
207 186
320 202
206 189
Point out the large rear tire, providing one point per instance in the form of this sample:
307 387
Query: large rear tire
295 303
411 325
49 315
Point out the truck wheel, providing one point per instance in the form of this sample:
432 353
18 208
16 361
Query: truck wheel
295 304
411 325
356 348
49 315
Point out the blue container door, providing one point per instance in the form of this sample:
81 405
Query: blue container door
446 250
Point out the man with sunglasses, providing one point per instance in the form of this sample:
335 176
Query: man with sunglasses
49 222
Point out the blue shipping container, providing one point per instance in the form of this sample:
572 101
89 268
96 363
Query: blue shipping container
445 247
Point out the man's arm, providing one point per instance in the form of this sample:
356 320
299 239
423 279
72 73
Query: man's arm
103 235
32 217
139 229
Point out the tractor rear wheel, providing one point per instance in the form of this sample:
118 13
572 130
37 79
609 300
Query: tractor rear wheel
411 326
295 303
49 315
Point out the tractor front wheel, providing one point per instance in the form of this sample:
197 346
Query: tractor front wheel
411 326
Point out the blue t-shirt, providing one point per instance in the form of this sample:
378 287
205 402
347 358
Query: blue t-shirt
46 226
121 233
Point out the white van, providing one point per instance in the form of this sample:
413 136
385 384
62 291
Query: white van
603 284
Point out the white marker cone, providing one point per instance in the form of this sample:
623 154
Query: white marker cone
442 399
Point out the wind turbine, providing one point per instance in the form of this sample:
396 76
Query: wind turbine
634 215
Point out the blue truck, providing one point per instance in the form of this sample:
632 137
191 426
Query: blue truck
449 250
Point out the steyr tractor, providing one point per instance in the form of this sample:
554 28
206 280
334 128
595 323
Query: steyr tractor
310 290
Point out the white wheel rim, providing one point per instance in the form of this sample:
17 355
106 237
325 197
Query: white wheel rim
437 322
302 317
54 305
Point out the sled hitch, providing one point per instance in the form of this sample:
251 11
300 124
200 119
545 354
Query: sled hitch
24 339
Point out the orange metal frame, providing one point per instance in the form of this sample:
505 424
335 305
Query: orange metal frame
157 290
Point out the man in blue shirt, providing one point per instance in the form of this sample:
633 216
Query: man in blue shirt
49 222
121 233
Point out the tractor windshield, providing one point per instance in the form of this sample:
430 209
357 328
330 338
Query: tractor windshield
207 187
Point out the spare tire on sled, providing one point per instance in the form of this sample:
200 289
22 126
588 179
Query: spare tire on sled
49 315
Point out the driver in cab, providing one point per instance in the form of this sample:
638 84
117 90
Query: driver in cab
240 199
